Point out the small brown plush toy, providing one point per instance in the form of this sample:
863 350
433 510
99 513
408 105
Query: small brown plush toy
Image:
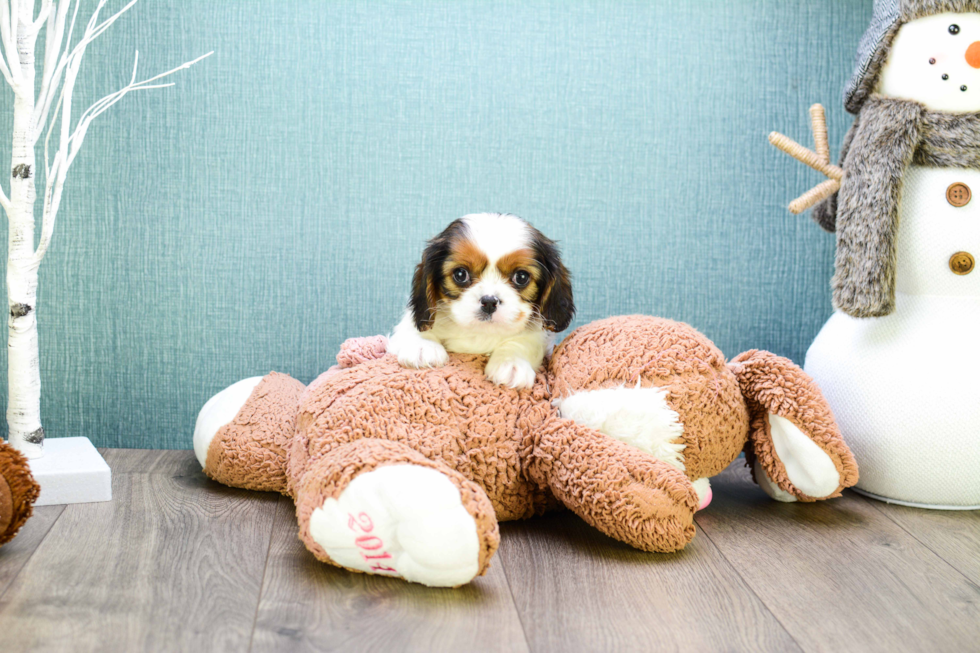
18 492
406 472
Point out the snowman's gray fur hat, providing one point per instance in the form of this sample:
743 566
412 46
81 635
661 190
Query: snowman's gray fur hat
887 18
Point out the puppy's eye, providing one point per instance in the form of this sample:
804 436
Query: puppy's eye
461 276
954 29
521 278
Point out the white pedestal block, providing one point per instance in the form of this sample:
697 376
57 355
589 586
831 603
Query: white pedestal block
71 471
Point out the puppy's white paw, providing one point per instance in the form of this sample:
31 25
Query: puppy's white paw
514 373
419 353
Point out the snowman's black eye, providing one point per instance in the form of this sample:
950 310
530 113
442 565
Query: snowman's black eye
963 88
945 77
954 29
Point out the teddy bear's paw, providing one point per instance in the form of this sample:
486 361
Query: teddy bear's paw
407 521
769 486
514 373
807 467
218 411
417 352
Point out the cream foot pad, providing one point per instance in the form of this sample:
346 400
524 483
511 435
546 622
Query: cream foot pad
403 520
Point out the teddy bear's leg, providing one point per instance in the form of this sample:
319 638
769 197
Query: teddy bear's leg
795 449
242 432
18 492
380 507
624 492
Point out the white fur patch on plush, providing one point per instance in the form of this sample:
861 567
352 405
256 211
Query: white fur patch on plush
640 417
218 411
402 520
808 467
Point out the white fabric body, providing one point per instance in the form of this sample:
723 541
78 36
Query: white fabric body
403 520
905 389
909 75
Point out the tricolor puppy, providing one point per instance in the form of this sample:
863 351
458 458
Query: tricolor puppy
489 284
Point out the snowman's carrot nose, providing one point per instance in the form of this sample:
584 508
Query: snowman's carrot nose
973 54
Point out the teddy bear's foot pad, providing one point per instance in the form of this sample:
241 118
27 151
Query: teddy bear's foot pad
407 521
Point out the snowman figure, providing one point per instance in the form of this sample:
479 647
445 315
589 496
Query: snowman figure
899 360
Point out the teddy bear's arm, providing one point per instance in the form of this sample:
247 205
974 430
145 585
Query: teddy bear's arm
795 449
18 492
624 492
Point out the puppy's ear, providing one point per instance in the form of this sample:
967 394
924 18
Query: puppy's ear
427 281
424 295
556 304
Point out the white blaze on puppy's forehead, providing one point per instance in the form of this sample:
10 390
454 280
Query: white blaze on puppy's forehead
497 234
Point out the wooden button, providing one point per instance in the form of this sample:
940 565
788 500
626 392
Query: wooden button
961 263
958 194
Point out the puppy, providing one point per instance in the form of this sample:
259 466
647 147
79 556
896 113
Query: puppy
489 284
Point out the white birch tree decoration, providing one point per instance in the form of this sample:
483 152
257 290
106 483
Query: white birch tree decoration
38 112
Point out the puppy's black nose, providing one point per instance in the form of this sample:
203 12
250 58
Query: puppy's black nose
488 304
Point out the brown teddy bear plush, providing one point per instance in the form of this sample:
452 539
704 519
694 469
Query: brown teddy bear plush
406 472
18 492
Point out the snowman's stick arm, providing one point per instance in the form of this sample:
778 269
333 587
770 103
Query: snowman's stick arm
819 161
819 122
805 155
814 196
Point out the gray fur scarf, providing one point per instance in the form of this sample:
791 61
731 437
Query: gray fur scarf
887 137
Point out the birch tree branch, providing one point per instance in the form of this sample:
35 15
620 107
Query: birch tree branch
43 104
71 145
4 32
8 34
54 34
41 16
100 107
93 30
5 70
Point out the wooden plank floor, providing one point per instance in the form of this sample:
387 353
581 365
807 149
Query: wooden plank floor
178 563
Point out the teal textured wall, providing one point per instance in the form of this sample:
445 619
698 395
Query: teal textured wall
274 202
